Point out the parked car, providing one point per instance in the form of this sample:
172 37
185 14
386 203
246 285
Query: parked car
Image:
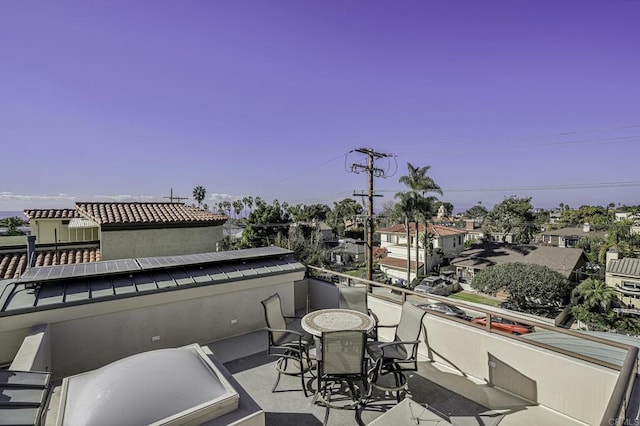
439 288
505 325
444 308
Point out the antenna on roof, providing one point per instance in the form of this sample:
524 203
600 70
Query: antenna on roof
177 199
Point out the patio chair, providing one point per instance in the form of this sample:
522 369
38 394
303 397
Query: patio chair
400 355
356 298
342 372
289 345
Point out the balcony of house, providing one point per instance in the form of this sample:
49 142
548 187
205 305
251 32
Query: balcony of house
467 373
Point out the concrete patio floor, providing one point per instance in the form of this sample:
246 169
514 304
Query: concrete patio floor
458 399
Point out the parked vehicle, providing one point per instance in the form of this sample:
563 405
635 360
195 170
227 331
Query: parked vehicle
444 308
439 288
505 325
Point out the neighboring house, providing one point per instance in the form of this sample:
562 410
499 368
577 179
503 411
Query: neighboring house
106 231
569 237
474 230
52 226
126 230
569 262
348 251
624 276
448 242
129 230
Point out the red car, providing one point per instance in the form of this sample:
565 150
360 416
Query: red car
505 325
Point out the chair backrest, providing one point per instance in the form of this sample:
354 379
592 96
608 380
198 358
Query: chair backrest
354 298
343 353
273 316
410 326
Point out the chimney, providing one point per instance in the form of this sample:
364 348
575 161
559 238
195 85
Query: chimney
612 254
586 227
31 250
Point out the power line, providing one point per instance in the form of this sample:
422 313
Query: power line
372 171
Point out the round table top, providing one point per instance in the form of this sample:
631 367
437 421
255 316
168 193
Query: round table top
317 322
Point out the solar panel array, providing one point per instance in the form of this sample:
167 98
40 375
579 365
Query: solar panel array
57 272
106 279
213 257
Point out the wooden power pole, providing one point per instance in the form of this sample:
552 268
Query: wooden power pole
372 172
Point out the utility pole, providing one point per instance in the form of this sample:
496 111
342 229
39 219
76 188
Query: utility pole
177 199
372 171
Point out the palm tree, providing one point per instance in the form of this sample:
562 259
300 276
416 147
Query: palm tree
248 203
418 184
199 194
237 207
406 208
596 294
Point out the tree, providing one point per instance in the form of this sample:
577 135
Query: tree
477 212
512 216
406 208
418 184
266 225
525 283
597 296
343 212
248 203
238 205
199 194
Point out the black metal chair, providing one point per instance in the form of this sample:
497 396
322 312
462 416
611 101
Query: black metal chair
355 298
287 344
342 373
400 355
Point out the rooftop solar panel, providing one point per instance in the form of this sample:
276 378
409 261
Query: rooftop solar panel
57 272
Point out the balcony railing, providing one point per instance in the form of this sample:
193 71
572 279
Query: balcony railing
626 373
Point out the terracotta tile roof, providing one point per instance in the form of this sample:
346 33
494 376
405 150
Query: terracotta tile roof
12 265
146 213
394 262
51 213
437 230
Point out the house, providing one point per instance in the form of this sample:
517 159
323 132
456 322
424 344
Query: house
624 276
448 242
569 237
348 251
474 230
106 231
126 230
569 262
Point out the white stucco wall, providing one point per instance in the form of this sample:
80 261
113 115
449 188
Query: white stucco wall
130 243
577 388
49 231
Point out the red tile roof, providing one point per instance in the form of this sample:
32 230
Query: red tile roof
437 230
12 265
394 262
51 213
147 213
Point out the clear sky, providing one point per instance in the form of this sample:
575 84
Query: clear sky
121 100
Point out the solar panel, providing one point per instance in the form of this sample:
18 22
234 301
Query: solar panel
57 272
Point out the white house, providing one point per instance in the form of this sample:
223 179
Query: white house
447 243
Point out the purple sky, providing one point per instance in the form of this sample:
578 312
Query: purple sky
105 101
